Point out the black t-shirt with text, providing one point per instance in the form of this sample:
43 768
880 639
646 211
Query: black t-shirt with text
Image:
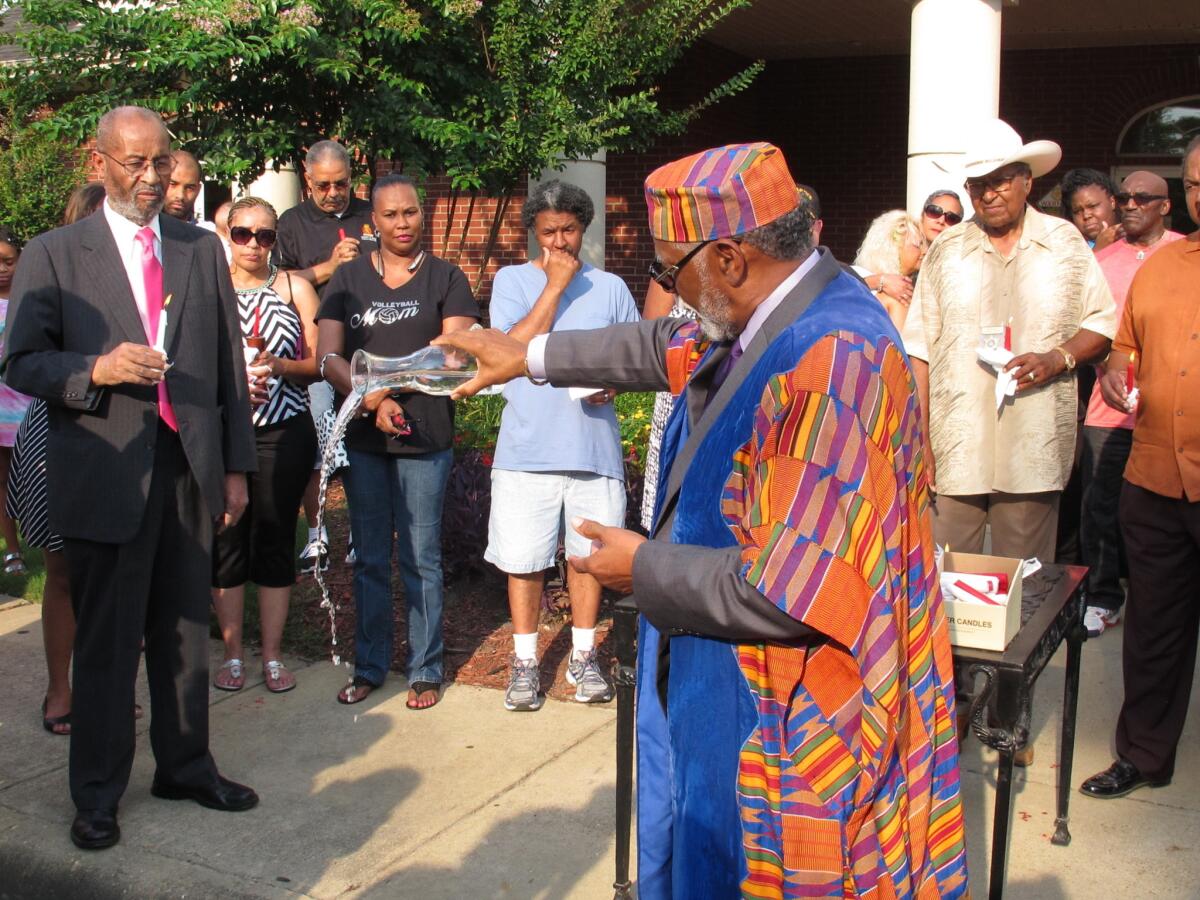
307 234
395 322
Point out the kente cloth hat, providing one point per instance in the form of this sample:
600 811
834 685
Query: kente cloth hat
993 144
722 192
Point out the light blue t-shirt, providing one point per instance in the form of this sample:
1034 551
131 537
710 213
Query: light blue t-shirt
542 429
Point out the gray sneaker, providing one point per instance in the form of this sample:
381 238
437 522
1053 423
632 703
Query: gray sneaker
583 671
524 686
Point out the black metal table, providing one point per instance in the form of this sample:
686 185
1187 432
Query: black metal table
1051 613
1000 711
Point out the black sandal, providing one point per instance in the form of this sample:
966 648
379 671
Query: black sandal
57 722
349 699
421 687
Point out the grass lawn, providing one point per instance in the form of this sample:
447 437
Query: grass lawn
26 587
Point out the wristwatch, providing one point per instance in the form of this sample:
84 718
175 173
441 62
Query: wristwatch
1067 357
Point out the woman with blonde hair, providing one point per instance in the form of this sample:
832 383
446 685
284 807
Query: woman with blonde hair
889 258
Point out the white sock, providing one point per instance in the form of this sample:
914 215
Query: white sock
583 640
312 534
525 646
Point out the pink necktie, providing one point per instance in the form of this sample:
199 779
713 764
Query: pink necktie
152 278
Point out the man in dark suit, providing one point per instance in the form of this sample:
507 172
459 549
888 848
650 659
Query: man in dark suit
126 324
795 686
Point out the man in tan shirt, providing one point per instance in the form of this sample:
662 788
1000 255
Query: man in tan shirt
1011 276
1160 505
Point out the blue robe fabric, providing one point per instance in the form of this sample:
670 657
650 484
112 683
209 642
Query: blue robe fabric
689 826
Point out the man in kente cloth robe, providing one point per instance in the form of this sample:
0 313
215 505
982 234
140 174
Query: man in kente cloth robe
795 689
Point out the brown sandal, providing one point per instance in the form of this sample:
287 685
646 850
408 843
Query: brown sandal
358 690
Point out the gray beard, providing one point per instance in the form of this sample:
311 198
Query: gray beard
129 209
712 308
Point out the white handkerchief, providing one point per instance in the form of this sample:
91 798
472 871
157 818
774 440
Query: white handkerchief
998 358
578 393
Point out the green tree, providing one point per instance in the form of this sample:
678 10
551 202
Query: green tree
481 91
563 80
37 175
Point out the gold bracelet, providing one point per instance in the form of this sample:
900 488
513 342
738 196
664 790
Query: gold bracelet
538 381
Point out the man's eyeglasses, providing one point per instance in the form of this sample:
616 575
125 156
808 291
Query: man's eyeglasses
137 166
666 277
936 212
998 182
1139 198
265 237
323 186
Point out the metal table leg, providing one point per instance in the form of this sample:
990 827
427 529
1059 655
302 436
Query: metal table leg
1066 753
624 633
1000 824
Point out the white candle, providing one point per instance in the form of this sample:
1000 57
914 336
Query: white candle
160 338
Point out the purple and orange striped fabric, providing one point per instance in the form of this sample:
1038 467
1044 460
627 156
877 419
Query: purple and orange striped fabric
722 192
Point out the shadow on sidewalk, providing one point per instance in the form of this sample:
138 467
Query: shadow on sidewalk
512 859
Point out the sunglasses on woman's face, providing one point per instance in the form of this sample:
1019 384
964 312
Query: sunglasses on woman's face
936 212
240 235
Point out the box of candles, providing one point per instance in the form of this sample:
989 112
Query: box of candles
982 596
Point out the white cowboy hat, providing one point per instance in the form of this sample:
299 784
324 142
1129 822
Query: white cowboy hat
993 144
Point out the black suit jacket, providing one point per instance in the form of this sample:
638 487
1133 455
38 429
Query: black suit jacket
71 303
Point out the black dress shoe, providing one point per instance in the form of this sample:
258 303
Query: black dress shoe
222 794
95 829
1117 780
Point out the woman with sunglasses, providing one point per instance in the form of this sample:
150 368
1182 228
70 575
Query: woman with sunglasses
391 302
941 210
277 314
888 261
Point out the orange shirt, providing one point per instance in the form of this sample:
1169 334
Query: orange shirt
1162 323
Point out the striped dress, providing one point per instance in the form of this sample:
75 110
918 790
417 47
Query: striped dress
263 312
27 501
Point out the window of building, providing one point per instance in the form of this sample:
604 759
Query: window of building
1162 131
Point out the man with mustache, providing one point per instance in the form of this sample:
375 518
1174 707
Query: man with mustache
1108 433
149 442
796 703
183 187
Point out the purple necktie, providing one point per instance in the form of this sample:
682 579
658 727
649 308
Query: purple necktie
724 367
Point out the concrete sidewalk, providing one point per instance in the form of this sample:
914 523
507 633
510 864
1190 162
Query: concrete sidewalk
468 800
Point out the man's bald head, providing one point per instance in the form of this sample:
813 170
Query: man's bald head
1144 182
183 187
1142 203
113 122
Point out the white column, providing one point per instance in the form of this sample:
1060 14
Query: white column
591 175
954 79
281 189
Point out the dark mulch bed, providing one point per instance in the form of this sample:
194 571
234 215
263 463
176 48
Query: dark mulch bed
477 630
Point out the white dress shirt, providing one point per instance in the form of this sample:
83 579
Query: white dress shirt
124 232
